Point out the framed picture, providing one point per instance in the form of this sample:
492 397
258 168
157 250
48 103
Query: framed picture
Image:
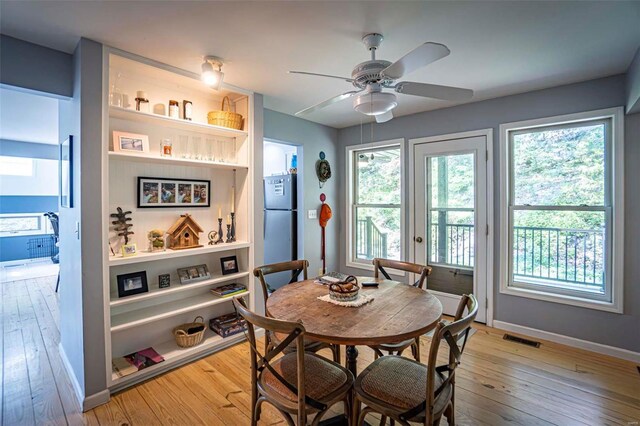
229 265
129 250
164 192
133 283
193 274
132 143
65 172
164 280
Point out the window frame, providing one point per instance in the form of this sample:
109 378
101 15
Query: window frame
351 260
44 228
613 208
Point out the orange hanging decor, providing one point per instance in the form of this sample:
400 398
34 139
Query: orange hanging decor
325 215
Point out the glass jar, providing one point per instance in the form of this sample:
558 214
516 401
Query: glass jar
174 109
166 147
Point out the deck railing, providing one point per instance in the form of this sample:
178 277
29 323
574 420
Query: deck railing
371 241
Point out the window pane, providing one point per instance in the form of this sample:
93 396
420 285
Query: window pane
19 224
560 166
377 233
452 237
378 176
562 249
16 166
451 179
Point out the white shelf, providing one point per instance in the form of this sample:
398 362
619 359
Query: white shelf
176 123
173 355
145 256
174 161
218 279
153 313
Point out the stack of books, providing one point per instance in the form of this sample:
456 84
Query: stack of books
228 325
229 290
129 364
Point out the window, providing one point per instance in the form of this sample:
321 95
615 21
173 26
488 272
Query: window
16 166
562 207
375 211
20 224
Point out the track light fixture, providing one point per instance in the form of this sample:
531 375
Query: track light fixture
211 77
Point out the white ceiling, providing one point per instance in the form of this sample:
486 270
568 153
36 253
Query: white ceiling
498 48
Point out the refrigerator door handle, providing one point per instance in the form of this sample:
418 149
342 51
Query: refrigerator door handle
264 225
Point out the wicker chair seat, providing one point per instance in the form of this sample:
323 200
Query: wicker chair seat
323 379
309 344
389 347
398 384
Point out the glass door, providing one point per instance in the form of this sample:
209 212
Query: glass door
450 219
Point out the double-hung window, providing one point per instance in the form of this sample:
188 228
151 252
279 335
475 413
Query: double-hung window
374 202
562 209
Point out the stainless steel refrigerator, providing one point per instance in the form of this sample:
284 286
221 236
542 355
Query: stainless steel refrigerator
280 224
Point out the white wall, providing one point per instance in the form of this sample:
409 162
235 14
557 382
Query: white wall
43 181
28 117
277 158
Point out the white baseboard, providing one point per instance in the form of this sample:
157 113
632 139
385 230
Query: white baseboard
570 341
86 402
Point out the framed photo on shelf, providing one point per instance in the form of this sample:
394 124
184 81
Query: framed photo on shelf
133 283
132 143
229 265
193 274
129 249
164 280
164 192
65 172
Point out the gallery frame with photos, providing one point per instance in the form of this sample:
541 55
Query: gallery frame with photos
154 192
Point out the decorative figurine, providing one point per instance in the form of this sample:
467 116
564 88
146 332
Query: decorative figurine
184 234
121 226
212 237
156 240
323 170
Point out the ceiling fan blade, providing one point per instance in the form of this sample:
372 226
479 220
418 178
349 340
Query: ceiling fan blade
446 93
383 118
417 58
328 102
348 80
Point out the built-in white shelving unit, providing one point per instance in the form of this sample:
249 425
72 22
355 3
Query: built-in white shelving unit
147 319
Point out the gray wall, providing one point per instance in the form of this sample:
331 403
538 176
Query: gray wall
633 85
312 138
596 326
34 67
81 290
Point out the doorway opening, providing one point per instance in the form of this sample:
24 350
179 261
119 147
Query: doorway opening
283 206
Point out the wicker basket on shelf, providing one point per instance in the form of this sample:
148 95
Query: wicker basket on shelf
186 340
223 118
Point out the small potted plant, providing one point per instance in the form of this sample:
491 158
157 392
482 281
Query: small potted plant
156 240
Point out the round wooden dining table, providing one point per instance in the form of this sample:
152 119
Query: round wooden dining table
398 312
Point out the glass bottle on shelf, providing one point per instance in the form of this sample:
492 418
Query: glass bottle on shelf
174 109
196 147
183 146
166 147
115 95
142 102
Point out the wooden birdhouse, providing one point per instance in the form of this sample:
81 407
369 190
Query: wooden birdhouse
185 233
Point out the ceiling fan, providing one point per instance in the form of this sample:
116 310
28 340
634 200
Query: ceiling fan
371 77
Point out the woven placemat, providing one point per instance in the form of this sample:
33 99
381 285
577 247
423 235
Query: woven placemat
362 299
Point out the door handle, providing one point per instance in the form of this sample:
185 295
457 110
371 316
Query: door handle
418 239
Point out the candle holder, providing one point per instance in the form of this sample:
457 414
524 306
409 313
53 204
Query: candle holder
220 239
233 227
228 233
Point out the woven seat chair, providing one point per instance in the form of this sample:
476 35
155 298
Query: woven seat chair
408 391
422 272
299 382
296 267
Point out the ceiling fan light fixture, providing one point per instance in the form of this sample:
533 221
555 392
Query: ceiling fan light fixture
375 103
210 76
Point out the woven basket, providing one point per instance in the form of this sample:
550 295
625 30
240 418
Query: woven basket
185 340
339 292
223 118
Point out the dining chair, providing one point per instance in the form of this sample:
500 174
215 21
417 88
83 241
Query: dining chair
408 391
297 383
414 268
296 267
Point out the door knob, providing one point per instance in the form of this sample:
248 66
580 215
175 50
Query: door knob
418 239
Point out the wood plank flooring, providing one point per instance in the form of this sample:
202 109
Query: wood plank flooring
498 383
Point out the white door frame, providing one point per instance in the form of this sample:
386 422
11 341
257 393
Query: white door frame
488 134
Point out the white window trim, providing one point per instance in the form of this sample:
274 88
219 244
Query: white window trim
349 173
616 115
45 225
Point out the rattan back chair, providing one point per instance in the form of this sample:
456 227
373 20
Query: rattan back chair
296 267
406 390
422 272
298 383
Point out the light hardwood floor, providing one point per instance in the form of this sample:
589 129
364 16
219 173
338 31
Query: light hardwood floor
498 383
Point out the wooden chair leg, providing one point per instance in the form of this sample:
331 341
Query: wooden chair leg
336 353
449 413
415 348
383 420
